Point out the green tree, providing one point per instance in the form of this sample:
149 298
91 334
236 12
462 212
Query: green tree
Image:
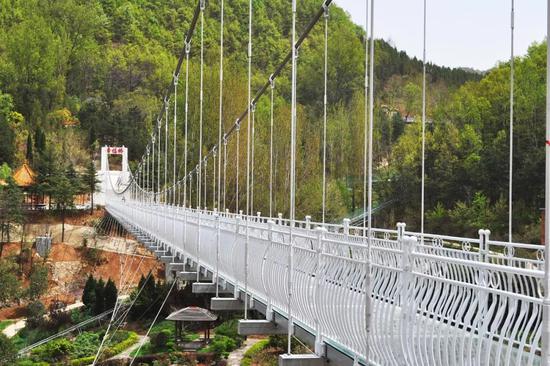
35 313
38 281
39 140
7 135
11 209
8 352
111 294
5 171
9 291
63 192
90 183
29 154
88 295
99 305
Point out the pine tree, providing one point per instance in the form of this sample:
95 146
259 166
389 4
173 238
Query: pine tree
111 294
99 305
88 295
63 191
91 138
11 207
29 148
38 281
90 183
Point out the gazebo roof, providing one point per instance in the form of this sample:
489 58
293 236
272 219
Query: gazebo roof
24 176
192 314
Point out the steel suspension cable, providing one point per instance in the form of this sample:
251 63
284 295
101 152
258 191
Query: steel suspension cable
325 72
224 171
422 189
234 128
545 346
187 50
253 112
292 212
370 139
201 101
511 154
214 180
238 142
272 82
220 121
365 172
158 160
248 126
165 151
153 139
176 77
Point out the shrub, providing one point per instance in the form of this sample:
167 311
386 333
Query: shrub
79 315
55 350
86 344
93 256
160 339
221 345
7 350
35 314
131 339
253 351
58 314
28 362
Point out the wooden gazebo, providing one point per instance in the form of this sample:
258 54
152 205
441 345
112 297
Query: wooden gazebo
192 314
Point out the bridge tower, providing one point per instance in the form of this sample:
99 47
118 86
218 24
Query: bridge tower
111 179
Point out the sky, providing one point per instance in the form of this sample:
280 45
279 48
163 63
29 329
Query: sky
460 33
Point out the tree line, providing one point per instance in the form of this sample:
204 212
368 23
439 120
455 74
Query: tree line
107 75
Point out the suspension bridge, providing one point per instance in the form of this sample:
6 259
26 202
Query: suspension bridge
353 293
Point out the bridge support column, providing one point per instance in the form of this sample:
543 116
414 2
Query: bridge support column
226 304
261 327
172 268
301 360
207 288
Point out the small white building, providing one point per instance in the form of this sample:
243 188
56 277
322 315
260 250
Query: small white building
111 180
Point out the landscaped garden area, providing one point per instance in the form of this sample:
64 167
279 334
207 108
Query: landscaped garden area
163 348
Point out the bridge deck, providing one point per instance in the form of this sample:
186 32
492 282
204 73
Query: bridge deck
437 301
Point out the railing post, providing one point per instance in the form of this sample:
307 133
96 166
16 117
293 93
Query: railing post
319 343
483 283
308 222
279 218
346 226
408 245
259 215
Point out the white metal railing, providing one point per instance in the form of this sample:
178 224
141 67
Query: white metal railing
436 300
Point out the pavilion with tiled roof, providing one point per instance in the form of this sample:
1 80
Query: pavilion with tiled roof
192 314
24 176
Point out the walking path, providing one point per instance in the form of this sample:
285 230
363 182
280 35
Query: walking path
12 329
126 353
235 357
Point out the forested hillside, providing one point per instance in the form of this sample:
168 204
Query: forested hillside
76 72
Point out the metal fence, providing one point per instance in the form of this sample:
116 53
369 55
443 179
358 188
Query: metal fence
434 300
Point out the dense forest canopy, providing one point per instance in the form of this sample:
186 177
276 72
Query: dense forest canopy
75 74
